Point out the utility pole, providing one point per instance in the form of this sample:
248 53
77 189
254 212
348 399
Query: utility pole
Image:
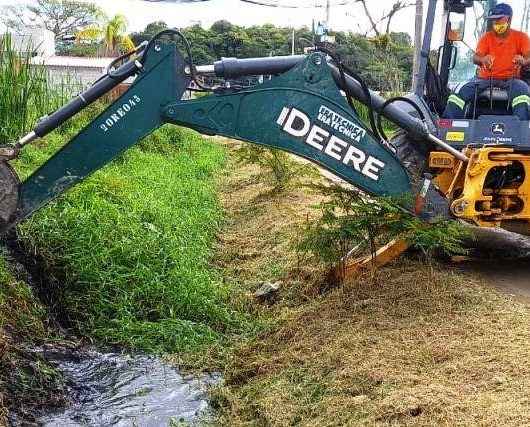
418 28
328 12
292 44
525 20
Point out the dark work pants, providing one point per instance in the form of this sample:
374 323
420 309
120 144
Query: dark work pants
518 91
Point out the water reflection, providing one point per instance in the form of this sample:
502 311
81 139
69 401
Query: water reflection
111 389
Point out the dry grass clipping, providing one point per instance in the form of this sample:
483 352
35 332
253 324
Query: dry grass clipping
410 345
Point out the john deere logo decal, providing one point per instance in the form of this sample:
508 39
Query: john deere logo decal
498 128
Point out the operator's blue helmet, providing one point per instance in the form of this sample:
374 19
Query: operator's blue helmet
500 11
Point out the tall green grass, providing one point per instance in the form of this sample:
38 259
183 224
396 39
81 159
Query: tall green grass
26 380
131 244
25 92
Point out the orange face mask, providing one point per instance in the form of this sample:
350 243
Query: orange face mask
500 26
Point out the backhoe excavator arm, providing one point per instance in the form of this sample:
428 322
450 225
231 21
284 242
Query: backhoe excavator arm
301 110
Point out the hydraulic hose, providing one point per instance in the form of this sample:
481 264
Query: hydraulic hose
187 46
366 91
390 101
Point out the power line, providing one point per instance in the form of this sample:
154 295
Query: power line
286 4
276 3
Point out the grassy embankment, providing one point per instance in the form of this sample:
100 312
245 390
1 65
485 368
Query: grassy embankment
413 344
131 244
26 380
129 248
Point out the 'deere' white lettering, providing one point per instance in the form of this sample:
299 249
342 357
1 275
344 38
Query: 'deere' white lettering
316 137
354 156
372 167
297 124
300 118
335 147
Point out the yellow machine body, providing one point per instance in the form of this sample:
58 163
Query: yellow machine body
491 190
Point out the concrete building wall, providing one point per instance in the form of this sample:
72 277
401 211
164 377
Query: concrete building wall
36 40
74 76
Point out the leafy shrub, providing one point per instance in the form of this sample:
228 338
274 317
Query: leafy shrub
349 219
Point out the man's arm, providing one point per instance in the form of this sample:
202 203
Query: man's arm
482 58
523 60
485 61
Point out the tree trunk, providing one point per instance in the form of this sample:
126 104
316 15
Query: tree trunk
418 27
369 16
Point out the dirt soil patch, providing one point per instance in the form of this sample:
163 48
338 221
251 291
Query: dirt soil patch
413 344
509 276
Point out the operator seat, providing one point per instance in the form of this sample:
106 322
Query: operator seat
496 97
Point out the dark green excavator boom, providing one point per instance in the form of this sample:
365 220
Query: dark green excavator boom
300 110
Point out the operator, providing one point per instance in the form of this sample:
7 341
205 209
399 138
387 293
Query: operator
501 53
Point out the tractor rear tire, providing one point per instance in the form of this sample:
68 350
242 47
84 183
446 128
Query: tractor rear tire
411 157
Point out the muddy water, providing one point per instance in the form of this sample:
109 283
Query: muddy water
110 388
113 389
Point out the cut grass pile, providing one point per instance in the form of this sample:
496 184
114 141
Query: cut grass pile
131 245
411 345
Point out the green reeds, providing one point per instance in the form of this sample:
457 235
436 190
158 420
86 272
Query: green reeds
25 92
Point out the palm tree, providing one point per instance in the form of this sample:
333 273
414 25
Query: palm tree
116 39
112 32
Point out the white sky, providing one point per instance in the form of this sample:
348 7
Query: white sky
140 13
180 14
176 14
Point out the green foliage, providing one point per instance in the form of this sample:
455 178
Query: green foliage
201 44
132 244
26 92
349 219
149 31
62 17
278 167
87 50
446 236
385 62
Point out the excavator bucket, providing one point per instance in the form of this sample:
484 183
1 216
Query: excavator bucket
9 193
